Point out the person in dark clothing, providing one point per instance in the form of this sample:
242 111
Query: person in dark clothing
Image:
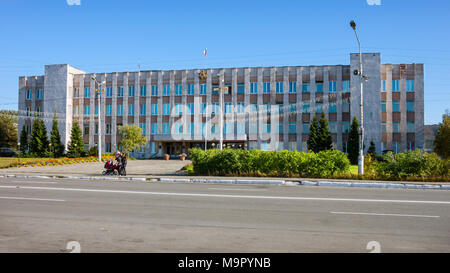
119 162
123 164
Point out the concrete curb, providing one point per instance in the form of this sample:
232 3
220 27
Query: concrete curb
249 182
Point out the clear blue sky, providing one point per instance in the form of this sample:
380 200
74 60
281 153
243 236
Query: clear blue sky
107 36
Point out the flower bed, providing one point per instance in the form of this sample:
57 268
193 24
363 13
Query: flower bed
60 161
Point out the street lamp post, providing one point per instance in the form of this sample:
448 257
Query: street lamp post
221 90
362 78
99 92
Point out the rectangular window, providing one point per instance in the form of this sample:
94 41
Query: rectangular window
178 109
332 86
345 127
108 128
305 107
266 87
86 129
190 89
305 128
178 89
39 94
319 107
396 127
76 92
253 127
143 92
166 109
142 126
109 92
119 110
154 90
383 106
203 89
75 111
120 91
410 106
142 109
166 90
410 127
227 128
332 125
253 88
383 85
305 87
383 127
279 87
240 88
345 86
293 87
131 91
154 128
409 85
203 108
240 107
319 87
131 109
292 107
87 92
190 128
332 107
154 109
166 129
87 110
253 107
395 86
292 128
227 106
96 129
395 106
190 108
96 109
109 110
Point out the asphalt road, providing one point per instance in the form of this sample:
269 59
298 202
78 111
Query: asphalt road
39 215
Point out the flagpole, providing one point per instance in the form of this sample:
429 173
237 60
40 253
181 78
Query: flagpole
206 120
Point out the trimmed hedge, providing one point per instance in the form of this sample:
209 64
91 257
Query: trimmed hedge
231 162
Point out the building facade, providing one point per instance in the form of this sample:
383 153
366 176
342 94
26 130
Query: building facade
266 108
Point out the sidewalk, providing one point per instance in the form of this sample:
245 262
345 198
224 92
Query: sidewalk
170 171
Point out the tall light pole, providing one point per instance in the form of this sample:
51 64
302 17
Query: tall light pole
221 90
99 92
362 78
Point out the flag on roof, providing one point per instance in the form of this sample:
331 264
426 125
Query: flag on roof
204 52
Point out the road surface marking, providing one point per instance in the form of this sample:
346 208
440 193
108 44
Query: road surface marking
233 196
384 214
31 182
31 199
230 189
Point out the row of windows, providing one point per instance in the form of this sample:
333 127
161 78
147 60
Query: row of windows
240 89
396 85
228 108
29 94
410 127
396 106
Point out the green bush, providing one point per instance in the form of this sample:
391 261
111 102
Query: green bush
268 163
413 163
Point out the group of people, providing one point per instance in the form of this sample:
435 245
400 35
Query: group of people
121 159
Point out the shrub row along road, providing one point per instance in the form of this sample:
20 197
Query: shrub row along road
43 215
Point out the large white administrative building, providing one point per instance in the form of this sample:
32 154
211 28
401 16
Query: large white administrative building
266 108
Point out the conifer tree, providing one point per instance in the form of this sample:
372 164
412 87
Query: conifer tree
324 136
57 148
313 138
23 140
76 143
353 142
